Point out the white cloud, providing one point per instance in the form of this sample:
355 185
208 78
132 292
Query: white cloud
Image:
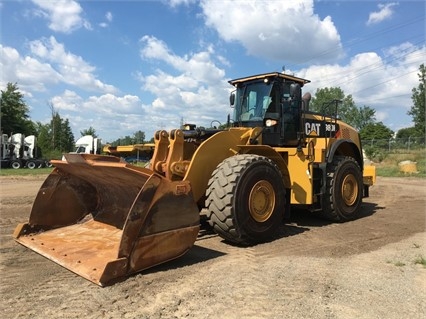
383 83
276 30
193 86
30 74
175 3
199 66
109 103
103 104
73 69
385 12
196 89
63 15
68 101
112 116
108 17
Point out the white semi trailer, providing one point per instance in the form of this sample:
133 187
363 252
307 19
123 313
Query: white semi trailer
19 151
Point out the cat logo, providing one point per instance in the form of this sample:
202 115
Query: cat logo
312 128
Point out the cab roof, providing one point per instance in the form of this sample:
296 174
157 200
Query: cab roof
269 75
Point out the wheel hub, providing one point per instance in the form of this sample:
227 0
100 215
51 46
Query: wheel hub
262 201
349 190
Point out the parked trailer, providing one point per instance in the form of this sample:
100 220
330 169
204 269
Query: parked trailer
18 151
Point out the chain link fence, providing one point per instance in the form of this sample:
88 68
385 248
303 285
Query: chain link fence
396 145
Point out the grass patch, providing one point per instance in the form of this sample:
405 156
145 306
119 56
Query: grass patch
25 171
420 260
399 264
396 263
388 167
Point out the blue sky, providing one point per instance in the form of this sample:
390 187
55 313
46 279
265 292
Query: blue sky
124 66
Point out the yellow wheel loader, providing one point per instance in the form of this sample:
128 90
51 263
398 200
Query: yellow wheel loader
104 219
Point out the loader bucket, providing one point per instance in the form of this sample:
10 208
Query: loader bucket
104 219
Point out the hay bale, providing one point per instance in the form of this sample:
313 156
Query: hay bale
408 167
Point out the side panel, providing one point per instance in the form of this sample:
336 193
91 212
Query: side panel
301 177
295 167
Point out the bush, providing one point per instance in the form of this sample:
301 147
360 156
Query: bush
375 154
55 154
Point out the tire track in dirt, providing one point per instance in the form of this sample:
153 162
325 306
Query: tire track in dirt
249 295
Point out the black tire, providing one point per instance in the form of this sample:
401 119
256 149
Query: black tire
31 164
345 186
16 164
245 199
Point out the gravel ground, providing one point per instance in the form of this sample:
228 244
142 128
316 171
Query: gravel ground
367 268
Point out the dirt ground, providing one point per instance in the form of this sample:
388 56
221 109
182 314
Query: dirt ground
367 268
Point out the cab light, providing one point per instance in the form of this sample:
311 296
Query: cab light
270 122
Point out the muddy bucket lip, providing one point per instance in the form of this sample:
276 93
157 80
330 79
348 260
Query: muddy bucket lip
101 266
85 248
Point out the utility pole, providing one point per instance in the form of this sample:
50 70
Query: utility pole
52 109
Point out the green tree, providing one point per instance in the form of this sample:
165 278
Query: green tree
139 137
44 141
60 132
376 131
333 100
359 117
14 112
127 140
89 131
406 132
67 136
379 135
417 110
55 137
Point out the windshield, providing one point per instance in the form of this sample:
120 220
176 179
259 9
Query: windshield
252 101
80 149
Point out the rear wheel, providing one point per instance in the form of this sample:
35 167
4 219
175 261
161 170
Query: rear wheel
15 164
31 164
246 199
345 185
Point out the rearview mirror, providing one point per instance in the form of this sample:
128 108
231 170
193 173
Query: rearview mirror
232 98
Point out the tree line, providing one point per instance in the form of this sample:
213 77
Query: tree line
56 137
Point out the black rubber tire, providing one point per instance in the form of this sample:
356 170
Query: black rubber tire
16 164
31 164
345 186
245 199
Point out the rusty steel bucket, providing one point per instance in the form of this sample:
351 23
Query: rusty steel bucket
104 219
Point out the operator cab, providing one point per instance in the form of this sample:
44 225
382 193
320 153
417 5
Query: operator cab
272 101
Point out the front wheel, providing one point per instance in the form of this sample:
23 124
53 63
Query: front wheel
245 199
345 186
